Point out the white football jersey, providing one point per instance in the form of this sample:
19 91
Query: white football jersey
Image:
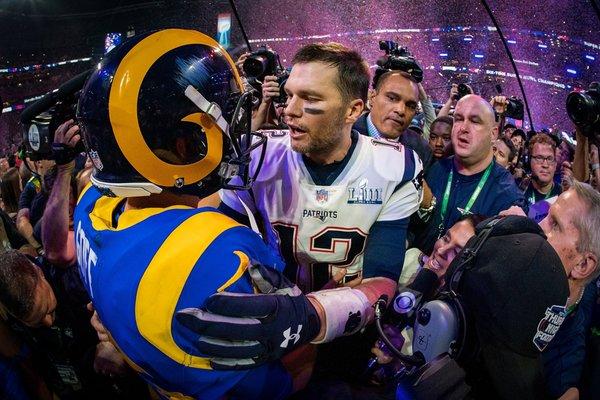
323 228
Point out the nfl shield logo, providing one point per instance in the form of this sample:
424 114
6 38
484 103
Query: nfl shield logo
322 196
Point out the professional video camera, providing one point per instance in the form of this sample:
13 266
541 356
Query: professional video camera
41 119
397 59
583 109
261 63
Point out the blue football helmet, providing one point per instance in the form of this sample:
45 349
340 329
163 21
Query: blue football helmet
167 111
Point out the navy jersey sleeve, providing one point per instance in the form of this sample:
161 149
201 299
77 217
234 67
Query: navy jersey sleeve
385 249
27 196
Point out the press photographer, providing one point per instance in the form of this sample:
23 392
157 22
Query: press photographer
266 74
40 122
457 92
583 109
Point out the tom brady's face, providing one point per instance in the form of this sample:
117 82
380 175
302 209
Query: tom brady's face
315 111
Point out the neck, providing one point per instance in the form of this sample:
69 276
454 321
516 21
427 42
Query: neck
161 200
542 187
393 136
575 292
465 167
336 153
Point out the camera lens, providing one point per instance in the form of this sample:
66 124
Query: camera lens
583 108
255 66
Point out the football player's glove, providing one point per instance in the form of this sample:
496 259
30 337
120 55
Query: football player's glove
240 331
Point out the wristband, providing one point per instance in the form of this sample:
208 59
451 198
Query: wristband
347 311
63 154
595 166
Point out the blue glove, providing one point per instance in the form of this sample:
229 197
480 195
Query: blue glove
241 331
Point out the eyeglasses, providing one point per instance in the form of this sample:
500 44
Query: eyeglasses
541 159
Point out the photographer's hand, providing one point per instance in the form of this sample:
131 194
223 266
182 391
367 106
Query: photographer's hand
66 138
57 239
499 103
270 89
240 62
445 110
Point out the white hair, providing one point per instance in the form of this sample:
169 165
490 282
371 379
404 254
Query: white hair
588 224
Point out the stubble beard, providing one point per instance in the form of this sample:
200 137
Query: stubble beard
323 141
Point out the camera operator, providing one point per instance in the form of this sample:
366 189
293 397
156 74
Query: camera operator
57 233
508 365
457 92
394 102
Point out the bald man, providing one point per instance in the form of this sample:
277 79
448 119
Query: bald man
470 181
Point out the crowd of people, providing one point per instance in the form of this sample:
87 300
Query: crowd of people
218 241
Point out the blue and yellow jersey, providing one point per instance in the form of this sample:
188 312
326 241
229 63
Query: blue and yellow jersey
141 266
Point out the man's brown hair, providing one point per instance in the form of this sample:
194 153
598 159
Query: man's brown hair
18 280
541 138
352 70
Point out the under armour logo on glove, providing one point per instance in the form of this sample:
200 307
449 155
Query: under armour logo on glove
290 336
240 331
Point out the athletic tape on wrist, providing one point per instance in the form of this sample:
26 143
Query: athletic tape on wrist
347 311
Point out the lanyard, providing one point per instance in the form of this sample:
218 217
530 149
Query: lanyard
471 201
532 198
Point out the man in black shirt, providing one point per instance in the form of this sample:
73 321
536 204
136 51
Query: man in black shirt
47 307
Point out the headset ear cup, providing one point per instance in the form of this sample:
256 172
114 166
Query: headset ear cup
466 343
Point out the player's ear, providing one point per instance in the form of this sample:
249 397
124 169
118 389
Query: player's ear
354 110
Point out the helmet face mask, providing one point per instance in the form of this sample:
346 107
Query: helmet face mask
156 116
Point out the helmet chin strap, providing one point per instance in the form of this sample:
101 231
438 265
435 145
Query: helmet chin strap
207 107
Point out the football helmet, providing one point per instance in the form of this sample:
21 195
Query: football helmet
166 110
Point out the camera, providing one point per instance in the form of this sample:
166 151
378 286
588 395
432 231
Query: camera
583 109
397 59
515 108
261 63
41 119
463 90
